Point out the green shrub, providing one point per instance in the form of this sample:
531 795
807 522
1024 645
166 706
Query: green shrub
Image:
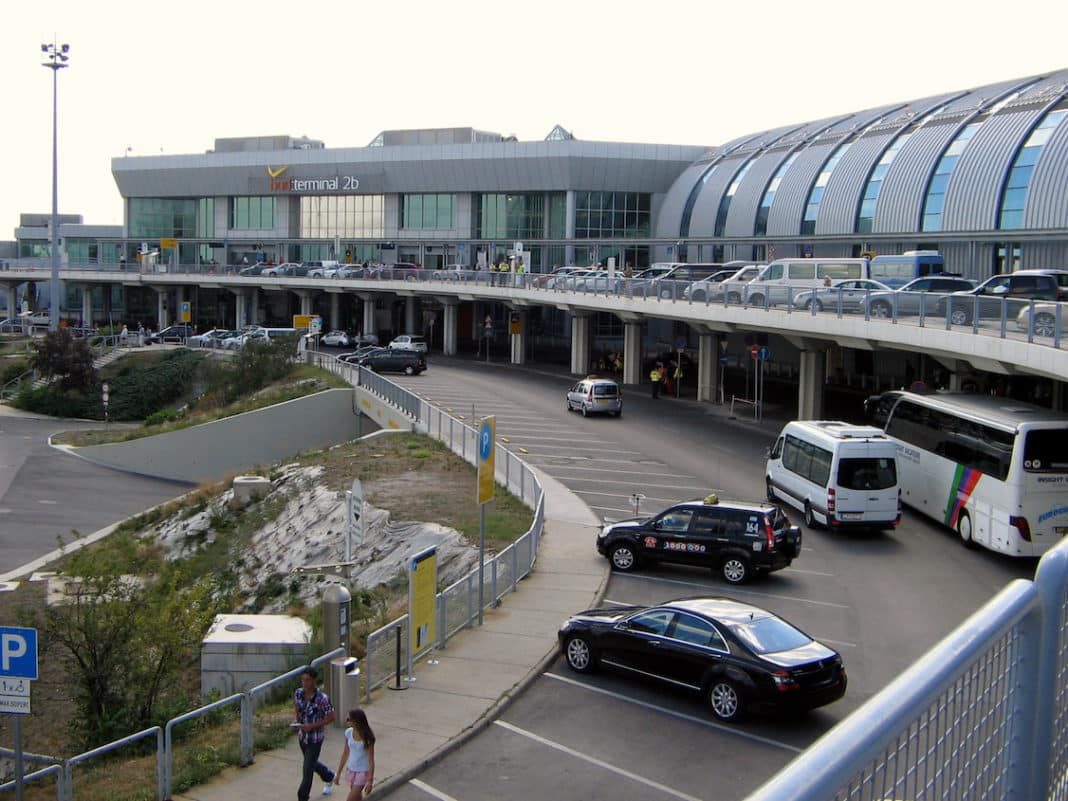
12 370
162 416
137 394
50 400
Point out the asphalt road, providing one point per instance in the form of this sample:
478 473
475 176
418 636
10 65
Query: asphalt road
880 599
46 494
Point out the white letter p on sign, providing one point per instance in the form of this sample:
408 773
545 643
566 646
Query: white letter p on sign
12 646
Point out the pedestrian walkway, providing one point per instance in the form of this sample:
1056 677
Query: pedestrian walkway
476 675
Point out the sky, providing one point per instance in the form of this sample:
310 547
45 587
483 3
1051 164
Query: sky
151 78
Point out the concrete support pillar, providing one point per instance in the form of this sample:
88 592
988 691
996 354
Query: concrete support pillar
810 387
518 340
632 353
449 327
1056 401
87 304
580 344
240 308
162 318
106 293
11 290
254 307
335 311
369 328
954 382
708 368
305 302
409 316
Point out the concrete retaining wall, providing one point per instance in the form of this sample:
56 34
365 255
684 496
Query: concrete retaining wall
234 444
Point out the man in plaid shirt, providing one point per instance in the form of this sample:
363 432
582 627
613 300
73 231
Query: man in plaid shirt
312 713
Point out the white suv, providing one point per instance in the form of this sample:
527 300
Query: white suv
409 342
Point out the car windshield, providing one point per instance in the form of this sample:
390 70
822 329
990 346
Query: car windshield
606 390
769 635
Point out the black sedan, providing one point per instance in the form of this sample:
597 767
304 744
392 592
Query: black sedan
739 657
384 360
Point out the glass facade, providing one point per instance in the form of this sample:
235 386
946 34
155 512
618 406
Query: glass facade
815 197
156 217
875 184
356 216
510 216
760 228
604 215
251 213
425 212
206 217
691 201
728 196
1014 195
557 215
936 192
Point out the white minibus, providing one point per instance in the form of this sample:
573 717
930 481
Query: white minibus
838 474
782 279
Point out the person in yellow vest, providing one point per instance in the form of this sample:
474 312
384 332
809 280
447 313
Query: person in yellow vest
655 376
678 378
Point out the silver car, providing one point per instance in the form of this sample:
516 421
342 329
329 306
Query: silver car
850 294
594 395
907 300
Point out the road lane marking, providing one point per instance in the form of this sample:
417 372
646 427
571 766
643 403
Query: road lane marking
594 761
426 788
680 715
811 572
733 590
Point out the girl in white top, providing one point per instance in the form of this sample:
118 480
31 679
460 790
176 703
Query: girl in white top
358 757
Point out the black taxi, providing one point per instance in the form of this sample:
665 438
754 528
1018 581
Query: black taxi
737 539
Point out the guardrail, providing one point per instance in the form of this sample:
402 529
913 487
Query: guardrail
982 315
983 715
456 605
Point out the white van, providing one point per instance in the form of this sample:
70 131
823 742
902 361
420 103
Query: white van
783 278
838 474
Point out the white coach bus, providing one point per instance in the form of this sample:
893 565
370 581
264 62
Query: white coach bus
992 469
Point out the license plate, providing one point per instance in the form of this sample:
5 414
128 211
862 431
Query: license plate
850 515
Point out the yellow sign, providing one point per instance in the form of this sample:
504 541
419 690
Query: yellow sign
515 326
168 244
187 311
422 597
487 445
302 320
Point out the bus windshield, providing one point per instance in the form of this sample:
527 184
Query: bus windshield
1046 451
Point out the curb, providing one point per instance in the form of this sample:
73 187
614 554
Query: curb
487 718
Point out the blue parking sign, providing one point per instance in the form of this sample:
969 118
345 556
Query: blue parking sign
18 653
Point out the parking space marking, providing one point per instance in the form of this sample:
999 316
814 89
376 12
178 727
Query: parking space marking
733 590
595 761
811 572
610 509
589 450
600 470
575 439
644 484
585 459
615 494
426 788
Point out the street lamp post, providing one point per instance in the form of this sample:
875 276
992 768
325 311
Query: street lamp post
55 59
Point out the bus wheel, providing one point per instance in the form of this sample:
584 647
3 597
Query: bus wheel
964 529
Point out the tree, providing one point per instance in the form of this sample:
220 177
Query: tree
126 639
71 360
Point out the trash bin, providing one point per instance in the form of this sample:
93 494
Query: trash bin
344 687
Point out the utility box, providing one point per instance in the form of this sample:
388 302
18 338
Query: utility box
241 651
343 687
337 605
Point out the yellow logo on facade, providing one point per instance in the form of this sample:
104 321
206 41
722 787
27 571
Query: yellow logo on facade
278 172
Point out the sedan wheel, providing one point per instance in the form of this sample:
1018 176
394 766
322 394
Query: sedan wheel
734 297
960 317
726 701
409 370
881 310
814 304
579 655
1045 325
585 411
735 570
623 558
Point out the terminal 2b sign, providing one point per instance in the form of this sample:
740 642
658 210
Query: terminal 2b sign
281 182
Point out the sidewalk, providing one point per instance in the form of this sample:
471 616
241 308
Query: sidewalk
477 674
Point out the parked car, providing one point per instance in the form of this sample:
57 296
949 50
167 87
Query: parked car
1060 276
1045 319
850 294
397 361
202 340
349 271
296 271
336 339
739 657
275 270
734 538
986 300
545 280
410 342
365 339
593 395
734 286
907 300
700 291
401 271
252 269
321 269
173 333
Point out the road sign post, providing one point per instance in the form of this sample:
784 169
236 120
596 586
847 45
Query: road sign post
354 527
487 445
18 670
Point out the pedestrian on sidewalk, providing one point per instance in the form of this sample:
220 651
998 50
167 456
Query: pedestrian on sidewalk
358 758
654 377
312 713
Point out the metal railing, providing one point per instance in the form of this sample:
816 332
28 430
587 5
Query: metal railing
457 605
63 769
983 716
